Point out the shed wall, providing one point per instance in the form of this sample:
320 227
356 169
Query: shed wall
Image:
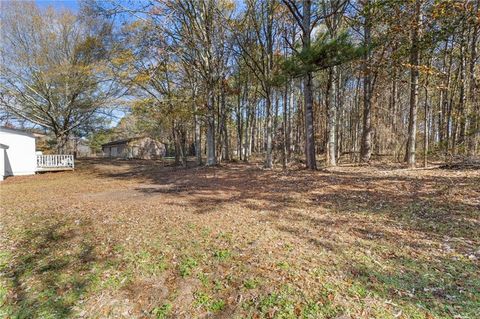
19 158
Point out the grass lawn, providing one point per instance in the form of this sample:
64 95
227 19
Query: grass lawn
134 239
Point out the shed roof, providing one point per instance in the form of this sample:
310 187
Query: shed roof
122 141
16 131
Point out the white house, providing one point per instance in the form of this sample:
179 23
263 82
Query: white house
17 152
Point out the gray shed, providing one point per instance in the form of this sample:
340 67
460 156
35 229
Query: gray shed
136 147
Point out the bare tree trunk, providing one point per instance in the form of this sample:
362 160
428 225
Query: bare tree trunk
284 129
62 142
254 134
449 125
198 140
183 146
447 99
211 152
291 108
414 62
331 99
474 105
176 144
461 97
223 126
425 123
275 126
356 120
393 101
442 99
268 138
366 143
248 127
240 125
307 91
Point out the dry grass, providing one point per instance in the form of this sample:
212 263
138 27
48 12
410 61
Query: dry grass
137 240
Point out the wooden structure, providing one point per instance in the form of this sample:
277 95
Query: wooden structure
136 147
55 163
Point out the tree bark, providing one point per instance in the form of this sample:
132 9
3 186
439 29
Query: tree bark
268 137
211 151
198 139
366 143
425 123
307 91
331 98
284 128
62 142
473 103
223 127
414 75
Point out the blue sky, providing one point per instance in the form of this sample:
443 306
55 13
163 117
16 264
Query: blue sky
68 4
73 4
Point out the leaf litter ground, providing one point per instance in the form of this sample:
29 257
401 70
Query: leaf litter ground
137 239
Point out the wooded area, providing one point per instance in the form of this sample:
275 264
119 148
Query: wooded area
339 80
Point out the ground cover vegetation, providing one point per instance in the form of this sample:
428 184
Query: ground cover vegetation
137 239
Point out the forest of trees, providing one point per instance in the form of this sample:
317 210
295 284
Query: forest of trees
317 81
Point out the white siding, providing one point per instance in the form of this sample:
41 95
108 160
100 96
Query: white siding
19 158
2 163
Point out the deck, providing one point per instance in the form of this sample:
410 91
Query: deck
47 163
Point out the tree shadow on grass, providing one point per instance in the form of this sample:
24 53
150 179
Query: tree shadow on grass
403 197
406 220
50 271
421 204
416 274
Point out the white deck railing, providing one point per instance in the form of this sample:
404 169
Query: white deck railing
55 162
